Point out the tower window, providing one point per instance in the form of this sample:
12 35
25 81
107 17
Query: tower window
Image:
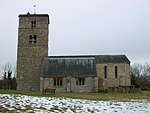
105 72
32 39
33 23
116 72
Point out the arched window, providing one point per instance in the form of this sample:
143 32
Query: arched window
33 23
32 39
116 72
105 72
58 81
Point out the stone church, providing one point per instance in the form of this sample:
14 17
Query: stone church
36 70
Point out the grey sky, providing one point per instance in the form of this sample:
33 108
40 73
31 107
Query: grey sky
82 27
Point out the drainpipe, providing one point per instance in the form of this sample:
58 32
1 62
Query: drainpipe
43 82
70 83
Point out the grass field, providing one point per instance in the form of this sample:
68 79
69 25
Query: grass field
33 102
88 96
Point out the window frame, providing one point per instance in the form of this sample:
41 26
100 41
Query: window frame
105 72
32 39
35 39
116 72
58 81
80 81
33 24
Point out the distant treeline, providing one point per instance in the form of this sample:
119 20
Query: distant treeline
9 78
140 76
8 82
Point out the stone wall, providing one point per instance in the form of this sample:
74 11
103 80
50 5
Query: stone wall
30 55
123 78
69 85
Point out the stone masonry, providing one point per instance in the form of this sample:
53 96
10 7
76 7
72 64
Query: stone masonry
123 78
32 48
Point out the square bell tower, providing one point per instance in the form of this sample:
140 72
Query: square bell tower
33 34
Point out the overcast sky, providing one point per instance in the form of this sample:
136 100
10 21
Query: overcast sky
82 27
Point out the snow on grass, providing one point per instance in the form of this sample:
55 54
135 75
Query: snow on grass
22 103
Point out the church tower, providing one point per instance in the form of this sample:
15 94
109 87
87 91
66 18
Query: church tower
32 48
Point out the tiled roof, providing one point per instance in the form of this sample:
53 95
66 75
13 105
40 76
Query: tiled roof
84 65
69 66
111 59
100 58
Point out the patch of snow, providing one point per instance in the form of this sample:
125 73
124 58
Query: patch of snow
22 103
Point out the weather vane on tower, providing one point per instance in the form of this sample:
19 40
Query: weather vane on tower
34 8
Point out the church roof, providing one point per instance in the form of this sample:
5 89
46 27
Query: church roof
69 66
111 59
101 58
77 66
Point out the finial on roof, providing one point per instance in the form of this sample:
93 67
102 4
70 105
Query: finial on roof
28 13
34 8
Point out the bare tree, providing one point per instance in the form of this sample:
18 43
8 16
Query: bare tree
141 75
7 68
9 79
146 70
137 69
